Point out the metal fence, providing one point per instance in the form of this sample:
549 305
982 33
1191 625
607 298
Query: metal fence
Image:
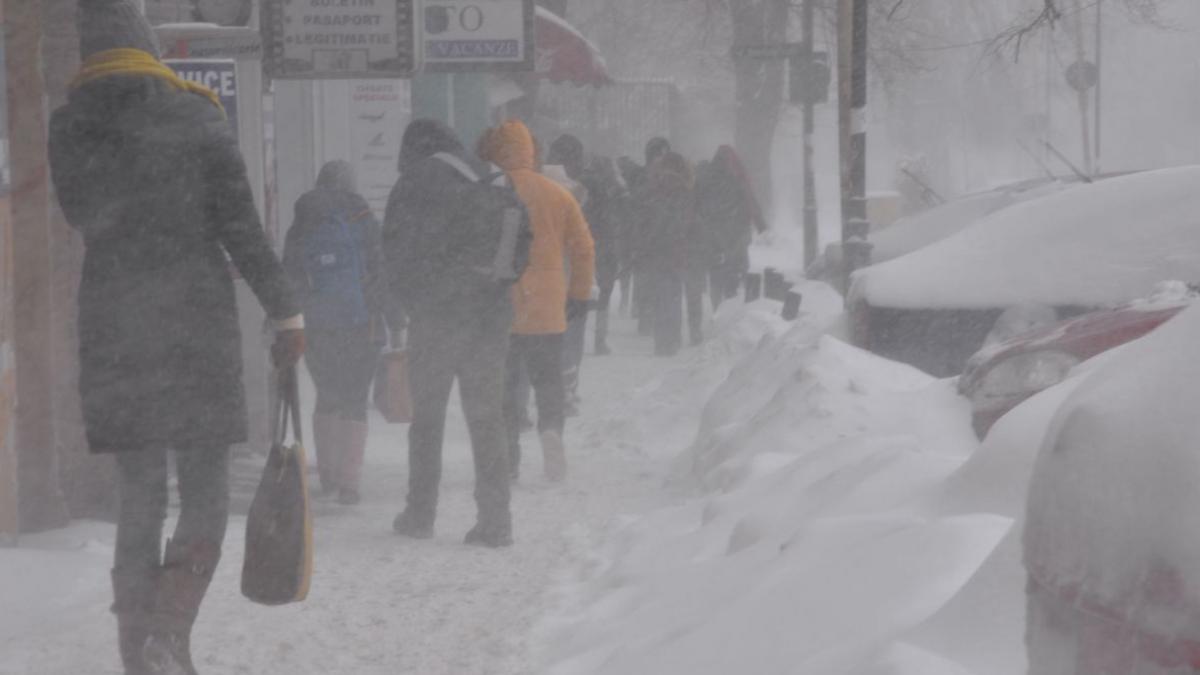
615 120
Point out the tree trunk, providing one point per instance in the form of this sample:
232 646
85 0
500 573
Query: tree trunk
759 87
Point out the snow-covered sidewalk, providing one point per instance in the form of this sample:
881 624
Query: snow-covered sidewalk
380 604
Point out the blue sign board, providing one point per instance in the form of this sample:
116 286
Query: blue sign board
220 75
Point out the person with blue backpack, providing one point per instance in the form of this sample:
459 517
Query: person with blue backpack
332 256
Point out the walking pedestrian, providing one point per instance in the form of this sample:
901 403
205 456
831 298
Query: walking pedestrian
332 257
544 299
728 215
606 194
643 206
459 320
670 221
147 169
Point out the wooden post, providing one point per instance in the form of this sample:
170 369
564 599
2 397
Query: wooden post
41 503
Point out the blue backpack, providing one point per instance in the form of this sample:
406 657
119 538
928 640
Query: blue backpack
333 262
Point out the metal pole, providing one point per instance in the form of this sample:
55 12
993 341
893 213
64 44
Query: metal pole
852 74
811 233
1099 79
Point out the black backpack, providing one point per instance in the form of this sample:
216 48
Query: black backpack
487 248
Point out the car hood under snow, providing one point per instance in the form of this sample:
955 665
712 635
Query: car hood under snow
1090 245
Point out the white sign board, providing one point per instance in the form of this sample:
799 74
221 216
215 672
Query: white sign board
477 35
339 39
378 112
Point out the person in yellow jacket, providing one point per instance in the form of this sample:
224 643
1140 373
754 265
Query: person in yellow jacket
544 297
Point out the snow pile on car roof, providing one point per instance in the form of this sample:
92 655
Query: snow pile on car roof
1089 245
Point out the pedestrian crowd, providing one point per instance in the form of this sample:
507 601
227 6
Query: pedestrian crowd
485 269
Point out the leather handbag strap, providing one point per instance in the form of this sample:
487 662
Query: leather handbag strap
287 405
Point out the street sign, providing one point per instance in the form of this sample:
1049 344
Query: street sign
767 52
478 35
1082 75
339 39
220 75
378 109
192 41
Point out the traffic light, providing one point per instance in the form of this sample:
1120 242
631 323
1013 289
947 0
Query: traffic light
809 78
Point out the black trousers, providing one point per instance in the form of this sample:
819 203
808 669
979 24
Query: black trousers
695 282
342 363
540 356
203 475
472 349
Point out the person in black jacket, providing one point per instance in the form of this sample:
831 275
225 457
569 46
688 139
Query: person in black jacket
147 169
332 256
450 335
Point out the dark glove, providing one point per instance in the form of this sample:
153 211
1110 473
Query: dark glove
288 348
576 309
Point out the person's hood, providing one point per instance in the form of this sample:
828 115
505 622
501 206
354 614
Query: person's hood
424 138
509 146
337 175
113 24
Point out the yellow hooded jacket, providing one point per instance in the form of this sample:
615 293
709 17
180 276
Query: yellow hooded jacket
540 296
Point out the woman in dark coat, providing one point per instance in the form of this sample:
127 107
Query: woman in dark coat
728 214
332 256
670 222
146 168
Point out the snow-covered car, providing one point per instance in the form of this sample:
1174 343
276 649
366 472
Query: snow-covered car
1001 376
1081 249
1110 545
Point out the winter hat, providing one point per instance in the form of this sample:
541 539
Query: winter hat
425 138
114 24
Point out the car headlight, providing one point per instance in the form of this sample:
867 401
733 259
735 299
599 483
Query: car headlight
1024 374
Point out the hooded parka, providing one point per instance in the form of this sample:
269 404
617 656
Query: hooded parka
150 175
540 297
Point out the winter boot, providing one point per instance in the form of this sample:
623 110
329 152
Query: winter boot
186 573
133 604
352 442
602 333
409 524
491 537
554 456
325 433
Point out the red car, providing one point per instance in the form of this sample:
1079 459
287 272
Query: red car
1001 376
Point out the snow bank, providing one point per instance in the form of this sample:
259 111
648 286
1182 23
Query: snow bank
1089 245
812 547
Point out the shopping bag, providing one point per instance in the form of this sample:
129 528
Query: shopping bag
392 395
279 548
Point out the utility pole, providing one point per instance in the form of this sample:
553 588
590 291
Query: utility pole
852 119
811 237
1099 80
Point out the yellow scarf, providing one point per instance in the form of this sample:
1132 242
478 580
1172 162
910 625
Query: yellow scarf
116 62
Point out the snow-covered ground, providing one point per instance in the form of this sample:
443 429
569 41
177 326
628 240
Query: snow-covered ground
380 604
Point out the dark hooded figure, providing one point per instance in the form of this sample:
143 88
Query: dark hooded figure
670 225
638 235
451 335
147 169
332 256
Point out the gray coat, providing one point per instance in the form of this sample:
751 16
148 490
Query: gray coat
152 179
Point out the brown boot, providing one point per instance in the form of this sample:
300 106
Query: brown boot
352 442
186 573
133 604
325 433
